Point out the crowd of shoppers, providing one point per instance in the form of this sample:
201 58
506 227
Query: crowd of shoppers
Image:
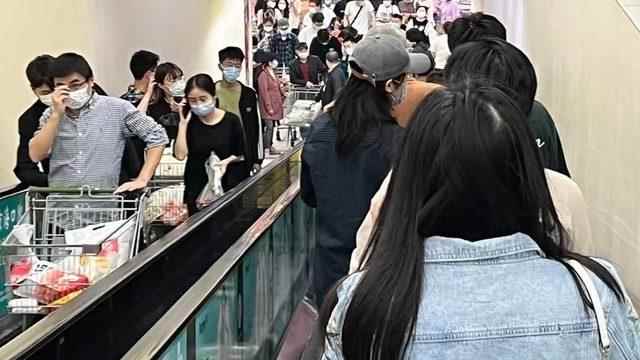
477 208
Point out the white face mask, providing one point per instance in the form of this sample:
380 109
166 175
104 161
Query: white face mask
203 110
421 14
268 29
283 33
46 99
303 55
348 51
399 95
79 98
271 4
282 6
386 3
274 63
177 88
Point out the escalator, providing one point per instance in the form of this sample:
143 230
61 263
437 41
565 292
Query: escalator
109 318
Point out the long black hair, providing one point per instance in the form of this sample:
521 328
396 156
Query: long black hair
499 62
468 168
359 108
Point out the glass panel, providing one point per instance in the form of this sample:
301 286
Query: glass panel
177 350
248 315
217 323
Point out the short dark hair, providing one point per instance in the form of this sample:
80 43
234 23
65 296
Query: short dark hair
317 18
416 36
317 2
141 62
70 63
38 71
332 56
350 34
498 62
474 27
323 35
231 52
302 46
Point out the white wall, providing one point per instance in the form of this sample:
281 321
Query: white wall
586 54
512 15
187 32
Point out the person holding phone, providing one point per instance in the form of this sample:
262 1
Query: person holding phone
84 134
204 129
168 93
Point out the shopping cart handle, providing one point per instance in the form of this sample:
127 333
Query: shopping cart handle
84 190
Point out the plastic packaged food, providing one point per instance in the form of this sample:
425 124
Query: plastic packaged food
47 283
213 189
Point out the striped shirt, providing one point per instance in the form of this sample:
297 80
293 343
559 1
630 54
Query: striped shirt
88 148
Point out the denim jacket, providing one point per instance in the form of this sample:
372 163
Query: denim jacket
502 299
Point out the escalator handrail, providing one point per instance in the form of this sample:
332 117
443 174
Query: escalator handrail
154 341
37 335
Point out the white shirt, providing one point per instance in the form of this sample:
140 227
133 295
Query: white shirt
307 35
385 13
440 50
328 16
367 14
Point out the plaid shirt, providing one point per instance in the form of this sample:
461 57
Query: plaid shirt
285 50
88 148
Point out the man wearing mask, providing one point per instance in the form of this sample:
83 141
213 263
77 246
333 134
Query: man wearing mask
84 133
234 97
310 32
28 172
317 7
361 15
283 44
335 79
307 70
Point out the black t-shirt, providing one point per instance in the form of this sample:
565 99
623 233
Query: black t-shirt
548 139
320 50
226 139
161 112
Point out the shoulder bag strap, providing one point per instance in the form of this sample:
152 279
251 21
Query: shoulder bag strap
592 292
357 14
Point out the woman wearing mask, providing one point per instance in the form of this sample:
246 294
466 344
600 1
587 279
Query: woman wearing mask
265 34
270 11
349 150
204 129
271 98
422 21
166 97
491 242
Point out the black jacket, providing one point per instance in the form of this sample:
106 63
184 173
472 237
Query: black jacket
318 49
26 170
341 187
332 85
251 125
317 71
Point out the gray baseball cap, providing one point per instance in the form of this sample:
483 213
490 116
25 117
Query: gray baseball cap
384 56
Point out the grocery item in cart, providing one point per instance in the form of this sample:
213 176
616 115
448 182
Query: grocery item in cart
166 204
174 213
213 189
46 283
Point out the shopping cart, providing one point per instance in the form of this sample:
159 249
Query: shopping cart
165 207
67 240
300 108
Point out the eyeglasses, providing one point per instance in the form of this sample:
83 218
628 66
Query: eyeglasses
77 86
235 64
